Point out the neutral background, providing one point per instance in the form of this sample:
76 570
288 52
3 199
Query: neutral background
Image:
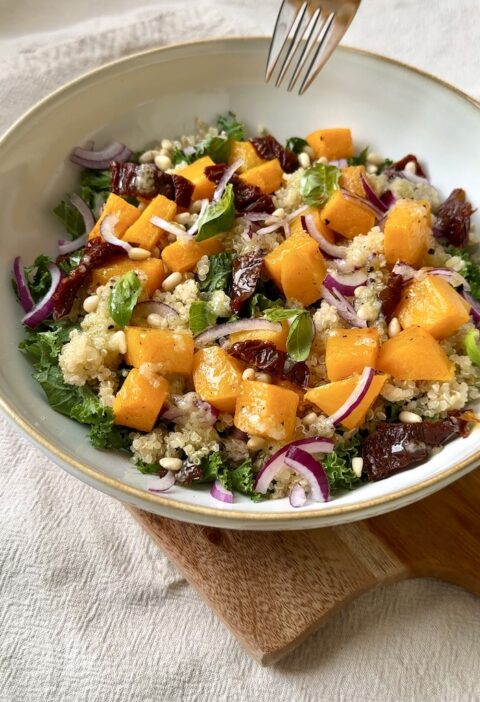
89 609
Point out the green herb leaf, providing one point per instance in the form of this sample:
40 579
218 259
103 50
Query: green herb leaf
96 180
300 337
338 465
218 148
242 480
179 156
71 261
149 468
218 217
70 217
471 345
278 315
386 164
219 273
200 316
360 160
259 303
124 297
43 347
392 411
318 183
229 124
296 144
38 277
471 271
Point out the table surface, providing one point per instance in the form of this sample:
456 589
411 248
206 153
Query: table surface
89 608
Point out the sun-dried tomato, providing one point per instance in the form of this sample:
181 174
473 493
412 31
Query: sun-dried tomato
96 253
264 356
246 272
146 180
297 372
268 148
391 294
453 219
183 190
248 198
400 165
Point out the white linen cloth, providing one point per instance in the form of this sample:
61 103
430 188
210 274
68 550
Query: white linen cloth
90 610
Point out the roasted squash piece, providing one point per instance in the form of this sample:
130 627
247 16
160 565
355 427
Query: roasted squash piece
195 173
333 144
274 260
329 398
296 224
351 179
171 352
127 214
303 275
152 273
349 351
414 355
247 152
184 254
266 410
145 234
407 232
433 304
278 338
268 176
139 401
217 377
347 217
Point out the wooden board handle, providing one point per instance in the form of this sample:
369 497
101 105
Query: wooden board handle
273 589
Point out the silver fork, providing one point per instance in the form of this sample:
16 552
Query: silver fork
309 30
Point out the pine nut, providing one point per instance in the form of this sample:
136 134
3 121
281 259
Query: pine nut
171 463
154 320
118 342
409 417
163 162
304 160
394 327
136 253
166 144
308 150
171 281
255 443
374 158
279 212
196 206
322 159
90 303
263 377
149 156
248 374
310 418
411 167
183 218
372 169
357 465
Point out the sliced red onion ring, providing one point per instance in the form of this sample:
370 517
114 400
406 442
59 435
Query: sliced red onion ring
98 160
280 224
407 272
339 163
379 214
474 306
315 444
220 493
296 212
308 223
26 299
85 211
412 177
239 435
297 496
258 216
44 307
372 195
194 228
143 309
312 470
169 227
342 266
355 398
66 247
182 409
347 283
218 192
451 276
219 330
164 483
107 230
344 308
388 199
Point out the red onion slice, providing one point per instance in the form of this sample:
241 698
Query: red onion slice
220 493
98 160
194 228
297 496
66 247
453 277
182 409
26 299
167 226
219 330
346 284
355 398
296 212
85 211
272 466
388 199
379 213
343 307
474 306
407 272
44 307
164 483
309 468
308 223
107 230
280 224
412 177
342 266
222 183
339 163
143 309
372 195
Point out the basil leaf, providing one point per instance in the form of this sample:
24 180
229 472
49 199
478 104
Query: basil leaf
229 124
360 160
318 183
296 144
472 347
219 274
260 303
200 316
218 217
277 315
70 217
124 297
300 337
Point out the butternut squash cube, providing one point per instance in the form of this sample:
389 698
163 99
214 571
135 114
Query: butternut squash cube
432 303
145 234
151 268
349 351
329 398
347 217
331 143
296 224
278 338
217 377
351 179
184 254
171 352
407 232
414 355
127 214
268 176
195 172
266 410
138 402
247 152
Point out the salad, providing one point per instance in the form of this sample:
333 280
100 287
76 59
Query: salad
273 320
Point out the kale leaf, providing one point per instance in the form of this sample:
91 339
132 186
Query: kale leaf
338 465
229 124
471 272
296 144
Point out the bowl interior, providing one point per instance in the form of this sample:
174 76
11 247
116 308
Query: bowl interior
157 94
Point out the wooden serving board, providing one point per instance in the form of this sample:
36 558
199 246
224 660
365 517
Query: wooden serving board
273 589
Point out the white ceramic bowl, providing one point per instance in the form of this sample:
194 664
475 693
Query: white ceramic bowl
393 109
